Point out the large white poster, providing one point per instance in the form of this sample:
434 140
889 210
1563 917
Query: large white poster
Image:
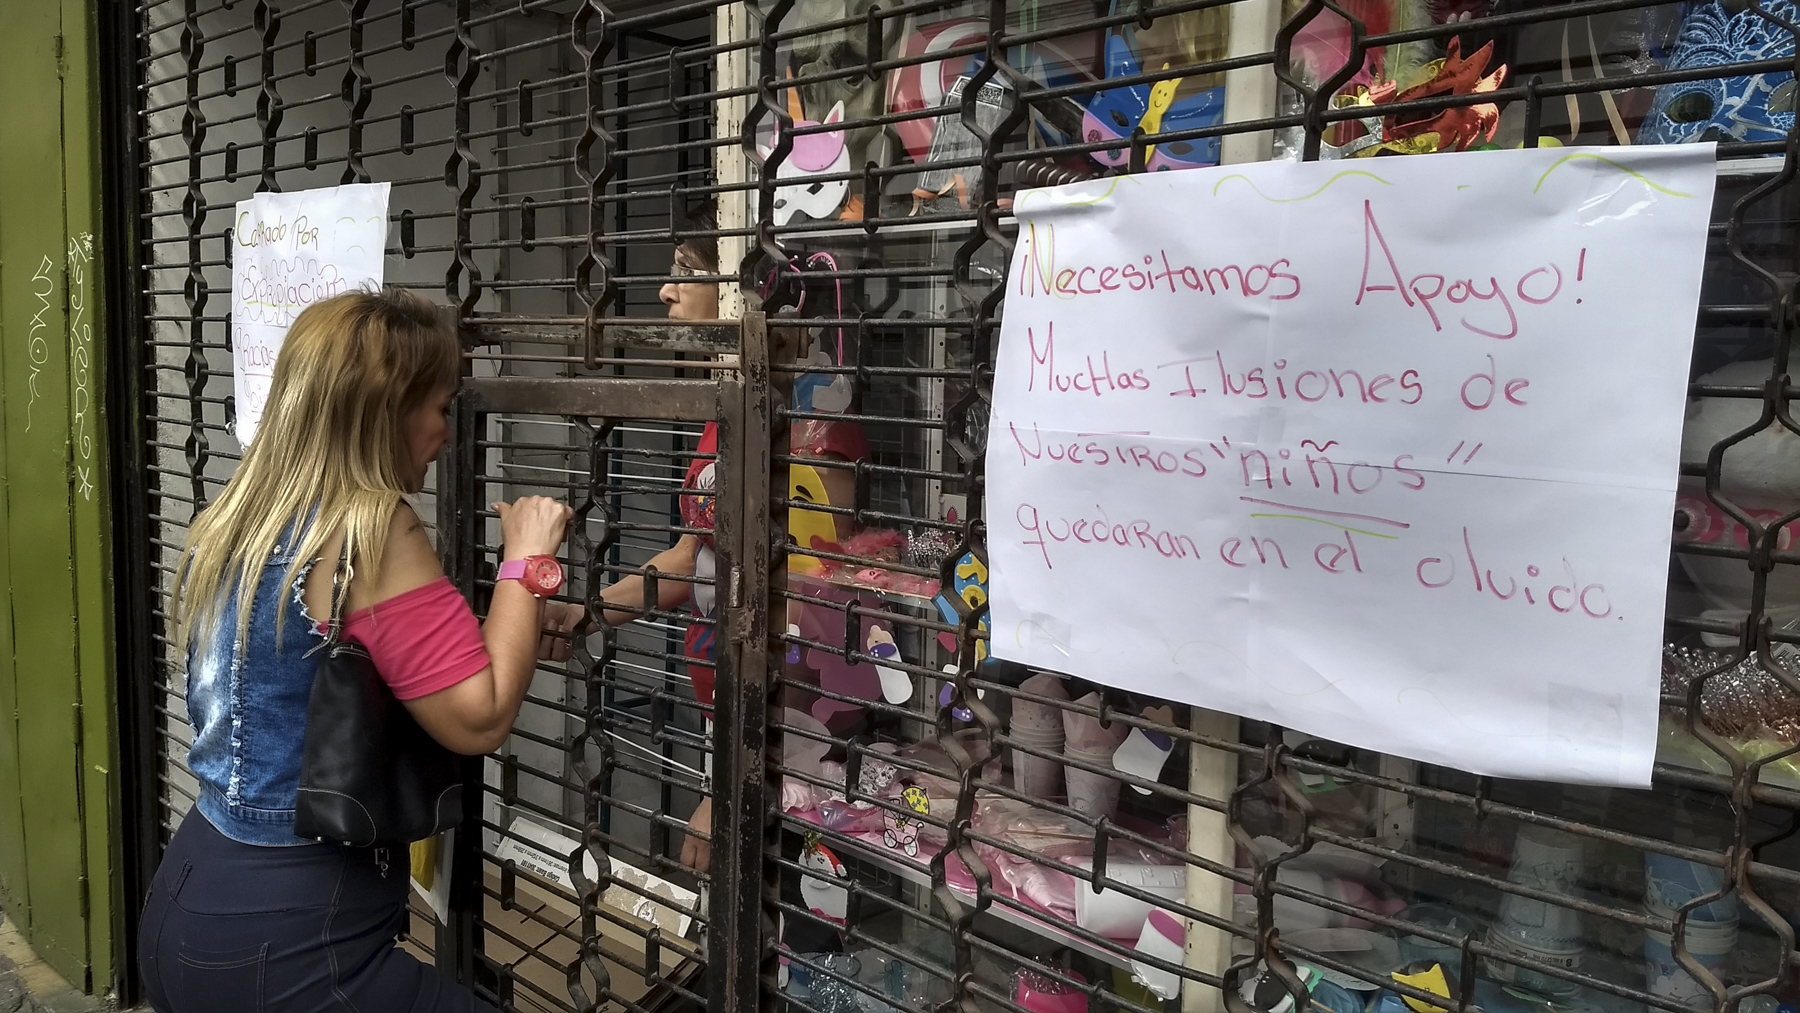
290 250
1381 451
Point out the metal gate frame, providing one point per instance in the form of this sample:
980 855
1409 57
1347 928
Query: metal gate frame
723 400
128 55
139 846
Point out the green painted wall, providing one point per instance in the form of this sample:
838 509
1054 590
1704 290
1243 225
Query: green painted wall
58 790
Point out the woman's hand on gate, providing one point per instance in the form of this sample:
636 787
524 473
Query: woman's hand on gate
533 526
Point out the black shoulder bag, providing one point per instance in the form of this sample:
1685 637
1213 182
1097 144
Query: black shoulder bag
370 776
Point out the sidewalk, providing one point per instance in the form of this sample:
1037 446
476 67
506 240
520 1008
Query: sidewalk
28 985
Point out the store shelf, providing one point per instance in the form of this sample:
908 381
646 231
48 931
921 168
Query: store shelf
918 872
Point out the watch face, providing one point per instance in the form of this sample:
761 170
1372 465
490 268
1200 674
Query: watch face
543 574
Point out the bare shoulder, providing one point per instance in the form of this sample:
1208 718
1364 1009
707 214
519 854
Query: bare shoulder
407 561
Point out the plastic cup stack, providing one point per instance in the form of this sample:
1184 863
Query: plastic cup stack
1038 726
1712 928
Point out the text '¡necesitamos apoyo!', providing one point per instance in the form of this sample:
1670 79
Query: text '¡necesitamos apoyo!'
1154 272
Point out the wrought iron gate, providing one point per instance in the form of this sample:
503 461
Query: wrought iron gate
545 154
495 125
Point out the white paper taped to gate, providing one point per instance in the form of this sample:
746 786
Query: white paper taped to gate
290 250
1381 451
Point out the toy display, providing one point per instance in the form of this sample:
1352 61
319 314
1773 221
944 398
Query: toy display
828 53
969 587
1044 774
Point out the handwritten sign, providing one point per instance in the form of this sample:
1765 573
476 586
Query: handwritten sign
1381 451
290 250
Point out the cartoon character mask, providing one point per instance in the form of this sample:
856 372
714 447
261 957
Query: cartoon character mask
1759 107
970 587
812 155
1116 112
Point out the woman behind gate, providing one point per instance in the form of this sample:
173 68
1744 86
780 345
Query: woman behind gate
243 916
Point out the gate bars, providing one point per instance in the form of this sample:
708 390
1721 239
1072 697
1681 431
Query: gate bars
977 927
493 123
544 155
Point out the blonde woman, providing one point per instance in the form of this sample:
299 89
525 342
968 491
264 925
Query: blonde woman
243 915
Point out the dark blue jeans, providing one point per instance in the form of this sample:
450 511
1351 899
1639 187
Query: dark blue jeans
235 928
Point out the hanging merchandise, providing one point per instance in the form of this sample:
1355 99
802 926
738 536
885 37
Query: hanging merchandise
919 86
793 292
1116 113
952 142
1056 120
828 59
1607 46
817 154
933 85
1325 45
1750 108
1459 128
825 614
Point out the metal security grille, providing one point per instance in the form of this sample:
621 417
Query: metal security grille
540 155
1248 838
545 156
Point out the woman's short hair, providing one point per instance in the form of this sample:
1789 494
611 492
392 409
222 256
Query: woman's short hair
700 226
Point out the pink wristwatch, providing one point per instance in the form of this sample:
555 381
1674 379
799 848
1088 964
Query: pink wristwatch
541 575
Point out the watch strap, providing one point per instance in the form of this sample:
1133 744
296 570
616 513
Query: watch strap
512 569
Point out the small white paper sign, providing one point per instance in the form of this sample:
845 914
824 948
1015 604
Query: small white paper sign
290 250
1382 451
544 853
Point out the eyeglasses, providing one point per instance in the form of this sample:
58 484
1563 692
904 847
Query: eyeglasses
681 270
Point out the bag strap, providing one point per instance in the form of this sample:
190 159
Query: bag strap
340 590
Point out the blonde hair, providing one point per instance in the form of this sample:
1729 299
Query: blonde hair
327 454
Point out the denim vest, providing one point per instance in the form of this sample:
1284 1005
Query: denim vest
248 708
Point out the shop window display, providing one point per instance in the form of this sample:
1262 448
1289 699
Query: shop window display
1388 884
